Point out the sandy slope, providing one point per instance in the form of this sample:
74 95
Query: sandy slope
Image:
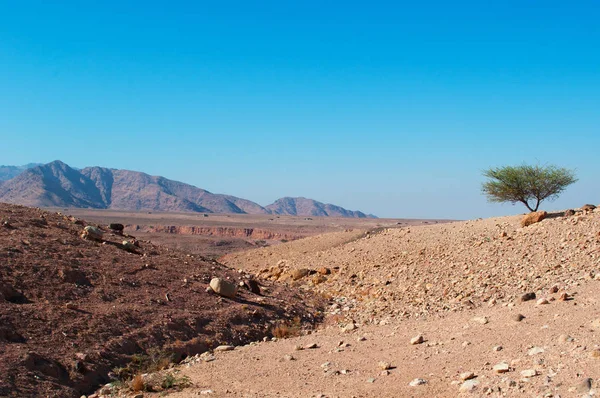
441 281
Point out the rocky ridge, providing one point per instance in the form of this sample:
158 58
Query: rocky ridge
79 300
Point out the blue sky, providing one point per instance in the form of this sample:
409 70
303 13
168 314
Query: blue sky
392 108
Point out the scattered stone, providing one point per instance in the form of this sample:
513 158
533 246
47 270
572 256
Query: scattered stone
371 380
299 273
311 346
518 317
553 289
417 340
535 351
542 301
565 338
128 245
350 327
583 386
564 296
467 376
222 348
497 348
595 353
361 338
587 207
324 271
384 365
223 287
207 357
569 213
529 373
469 385
501 367
528 297
417 382
480 319
298 348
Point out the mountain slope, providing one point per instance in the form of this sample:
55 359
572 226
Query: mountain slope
8 172
53 184
58 185
309 207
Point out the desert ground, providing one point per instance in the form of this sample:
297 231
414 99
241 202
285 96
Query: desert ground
475 308
214 235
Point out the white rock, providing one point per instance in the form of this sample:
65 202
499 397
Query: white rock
223 287
417 340
535 351
469 385
222 348
480 319
417 382
501 367
529 373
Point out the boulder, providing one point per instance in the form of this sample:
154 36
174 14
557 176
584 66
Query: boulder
92 233
569 213
223 287
116 227
587 207
533 217
299 273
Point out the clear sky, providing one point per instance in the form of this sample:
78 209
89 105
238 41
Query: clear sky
392 108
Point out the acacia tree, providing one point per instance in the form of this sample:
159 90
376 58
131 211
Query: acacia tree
526 184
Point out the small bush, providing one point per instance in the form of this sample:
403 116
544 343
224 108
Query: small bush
171 381
284 331
137 384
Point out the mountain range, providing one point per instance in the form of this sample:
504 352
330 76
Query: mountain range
56 184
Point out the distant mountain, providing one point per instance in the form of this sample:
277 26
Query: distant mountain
8 172
56 184
309 207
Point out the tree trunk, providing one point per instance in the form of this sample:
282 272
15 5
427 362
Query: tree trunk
529 207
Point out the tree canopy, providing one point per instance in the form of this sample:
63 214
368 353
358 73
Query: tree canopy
526 184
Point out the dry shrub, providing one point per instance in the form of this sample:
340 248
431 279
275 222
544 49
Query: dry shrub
283 331
137 384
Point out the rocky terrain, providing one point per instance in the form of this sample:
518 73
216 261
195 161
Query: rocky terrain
476 308
56 184
82 305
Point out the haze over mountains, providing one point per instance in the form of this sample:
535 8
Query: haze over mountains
56 184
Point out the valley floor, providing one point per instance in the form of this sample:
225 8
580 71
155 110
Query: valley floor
559 342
